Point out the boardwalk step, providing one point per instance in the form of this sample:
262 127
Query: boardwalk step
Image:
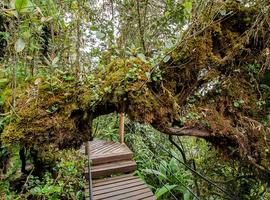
114 167
102 152
125 187
113 157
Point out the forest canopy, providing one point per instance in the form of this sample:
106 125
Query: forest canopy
210 80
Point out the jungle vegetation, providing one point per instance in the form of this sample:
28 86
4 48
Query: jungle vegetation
192 72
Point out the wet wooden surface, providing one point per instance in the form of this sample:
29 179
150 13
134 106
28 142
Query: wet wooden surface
121 187
114 159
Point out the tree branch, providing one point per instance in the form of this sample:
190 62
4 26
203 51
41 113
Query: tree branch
140 27
187 132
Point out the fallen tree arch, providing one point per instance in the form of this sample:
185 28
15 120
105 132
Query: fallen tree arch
213 85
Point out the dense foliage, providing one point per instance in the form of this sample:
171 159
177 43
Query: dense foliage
186 68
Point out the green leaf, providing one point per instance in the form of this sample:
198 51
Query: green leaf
188 5
165 189
93 28
148 75
152 171
169 44
167 13
264 86
236 104
174 165
186 195
100 35
141 56
241 101
222 12
167 58
19 45
68 78
55 60
163 166
3 81
90 77
20 5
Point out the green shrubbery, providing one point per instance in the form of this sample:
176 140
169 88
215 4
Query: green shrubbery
161 166
64 181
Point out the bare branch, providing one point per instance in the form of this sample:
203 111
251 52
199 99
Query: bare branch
187 132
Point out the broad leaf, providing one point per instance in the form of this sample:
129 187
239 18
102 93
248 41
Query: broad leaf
187 195
142 57
20 5
165 189
100 35
167 58
174 165
55 60
148 75
159 174
19 45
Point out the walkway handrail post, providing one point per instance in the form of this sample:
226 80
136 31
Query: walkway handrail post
122 128
87 150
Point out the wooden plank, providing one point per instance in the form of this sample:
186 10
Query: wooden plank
122 177
113 183
107 151
108 148
148 195
100 143
101 159
150 198
110 168
113 165
108 172
103 147
122 182
130 191
141 196
111 150
117 188
138 195
111 154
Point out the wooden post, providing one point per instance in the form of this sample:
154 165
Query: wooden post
122 128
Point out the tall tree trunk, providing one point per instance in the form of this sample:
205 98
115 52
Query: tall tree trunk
141 29
78 43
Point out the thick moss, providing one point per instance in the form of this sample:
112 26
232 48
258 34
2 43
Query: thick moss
212 80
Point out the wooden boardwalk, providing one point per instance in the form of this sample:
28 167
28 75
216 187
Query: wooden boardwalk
111 169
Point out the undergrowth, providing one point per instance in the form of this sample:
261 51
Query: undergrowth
65 180
160 164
